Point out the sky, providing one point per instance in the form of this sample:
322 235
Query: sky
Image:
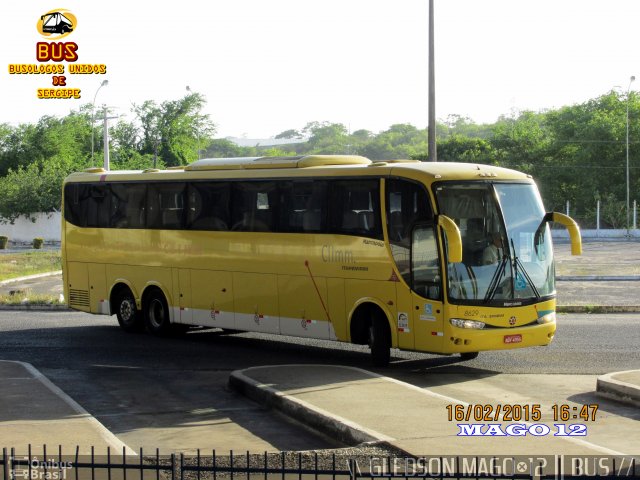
265 66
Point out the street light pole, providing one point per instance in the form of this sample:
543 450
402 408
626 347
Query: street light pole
431 127
93 117
628 90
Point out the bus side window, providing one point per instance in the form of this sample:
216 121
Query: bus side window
254 206
97 208
74 204
165 205
354 207
208 206
128 205
425 270
303 206
118 217
407 204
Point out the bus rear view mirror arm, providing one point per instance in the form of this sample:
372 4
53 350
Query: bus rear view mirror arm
454 240
569 223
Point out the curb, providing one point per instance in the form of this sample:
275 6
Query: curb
598 278
30 277
598 309
28 306
339 428
607 386
35 308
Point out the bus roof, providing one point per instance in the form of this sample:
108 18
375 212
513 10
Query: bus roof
248 167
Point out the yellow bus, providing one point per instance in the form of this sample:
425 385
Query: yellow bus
433 257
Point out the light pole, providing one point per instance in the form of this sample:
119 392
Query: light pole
431 127
93 117
628 90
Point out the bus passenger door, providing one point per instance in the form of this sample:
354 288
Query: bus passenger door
426 282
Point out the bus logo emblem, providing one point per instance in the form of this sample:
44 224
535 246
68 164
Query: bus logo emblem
56 24
512 321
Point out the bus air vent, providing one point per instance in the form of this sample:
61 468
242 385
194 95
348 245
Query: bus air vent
79 298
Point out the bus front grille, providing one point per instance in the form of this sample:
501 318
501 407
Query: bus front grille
79 298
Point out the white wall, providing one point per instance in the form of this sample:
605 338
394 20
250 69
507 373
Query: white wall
602 233
47 226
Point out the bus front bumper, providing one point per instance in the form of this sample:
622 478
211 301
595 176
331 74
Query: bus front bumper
459 340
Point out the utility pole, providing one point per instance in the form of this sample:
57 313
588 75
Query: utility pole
631 80
433 154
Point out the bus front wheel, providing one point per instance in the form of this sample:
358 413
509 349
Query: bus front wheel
156 314
129 317
379 341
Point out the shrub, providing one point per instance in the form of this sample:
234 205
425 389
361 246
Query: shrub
3 242
37 242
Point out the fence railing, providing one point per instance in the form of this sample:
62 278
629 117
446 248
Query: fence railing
44 465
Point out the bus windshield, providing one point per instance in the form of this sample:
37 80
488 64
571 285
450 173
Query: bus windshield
507 256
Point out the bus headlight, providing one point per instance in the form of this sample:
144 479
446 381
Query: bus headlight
461 323
548 318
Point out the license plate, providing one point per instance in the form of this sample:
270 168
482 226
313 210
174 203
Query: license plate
512 338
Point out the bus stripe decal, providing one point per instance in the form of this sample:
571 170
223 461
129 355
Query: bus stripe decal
306 264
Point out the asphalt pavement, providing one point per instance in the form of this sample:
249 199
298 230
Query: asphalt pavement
351 404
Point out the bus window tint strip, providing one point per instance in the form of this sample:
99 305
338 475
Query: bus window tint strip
347 207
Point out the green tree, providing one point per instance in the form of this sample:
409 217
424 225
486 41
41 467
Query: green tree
30 189
326 138
291 133
175 130
459 148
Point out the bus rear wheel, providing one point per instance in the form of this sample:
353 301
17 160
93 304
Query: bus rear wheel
156 314
129 317
379 341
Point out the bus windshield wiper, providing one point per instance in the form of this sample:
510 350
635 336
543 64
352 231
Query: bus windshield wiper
495 280
518 264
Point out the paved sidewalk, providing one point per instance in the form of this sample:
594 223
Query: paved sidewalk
35 411
357 406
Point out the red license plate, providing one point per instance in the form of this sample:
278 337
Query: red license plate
512 338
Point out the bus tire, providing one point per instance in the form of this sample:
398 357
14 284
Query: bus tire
469 355
156 314
129 317
379 340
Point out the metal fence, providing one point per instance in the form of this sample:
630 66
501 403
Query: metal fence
56 465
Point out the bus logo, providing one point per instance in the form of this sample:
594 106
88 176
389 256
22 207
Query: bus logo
56 24
512 321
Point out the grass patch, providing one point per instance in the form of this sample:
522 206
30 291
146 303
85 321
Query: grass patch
13 265
28 298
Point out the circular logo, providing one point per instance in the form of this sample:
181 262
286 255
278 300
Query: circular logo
56 24
512 321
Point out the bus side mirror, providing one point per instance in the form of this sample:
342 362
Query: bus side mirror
454 240
569 223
